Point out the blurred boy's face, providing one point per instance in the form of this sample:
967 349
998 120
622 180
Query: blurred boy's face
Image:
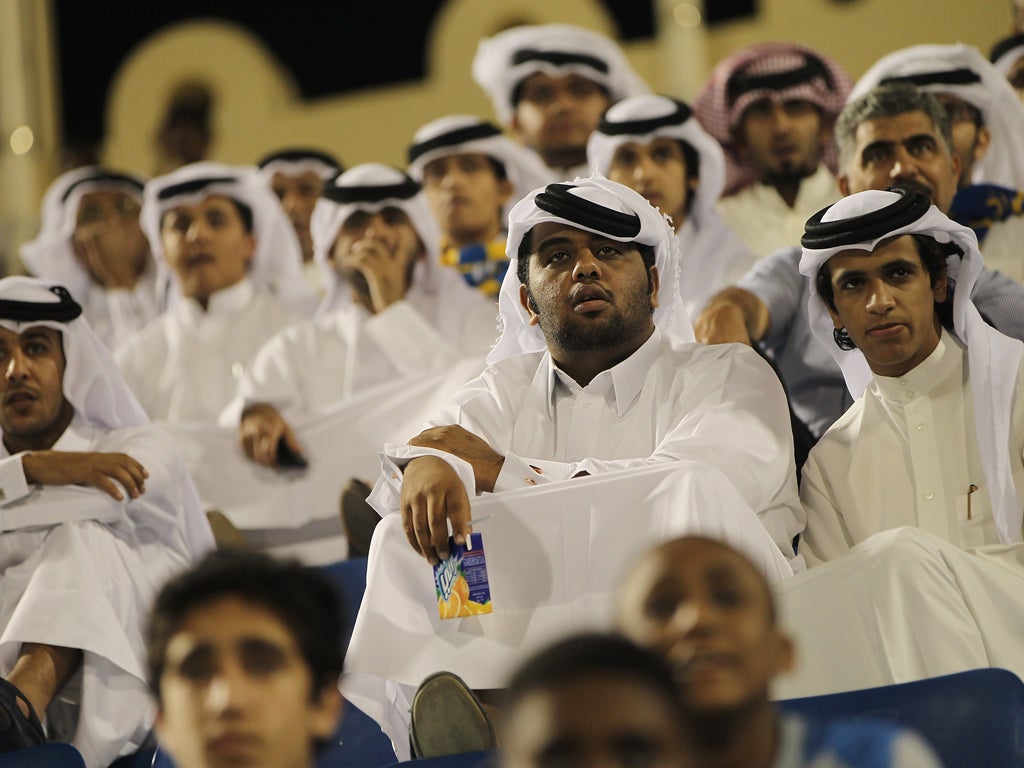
236 690
708 613
597 720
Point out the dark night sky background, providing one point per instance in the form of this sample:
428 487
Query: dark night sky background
330 47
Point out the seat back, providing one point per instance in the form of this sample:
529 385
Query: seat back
485 759
969 718
44 756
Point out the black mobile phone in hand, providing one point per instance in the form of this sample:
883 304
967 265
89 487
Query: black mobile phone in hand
289 459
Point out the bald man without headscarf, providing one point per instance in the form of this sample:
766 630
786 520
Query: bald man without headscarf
771 107
97 511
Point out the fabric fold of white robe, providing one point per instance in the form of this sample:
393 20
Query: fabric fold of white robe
555 555
903 605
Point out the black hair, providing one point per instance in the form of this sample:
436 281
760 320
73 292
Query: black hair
692 162
594 655
244 213
299 596
517 91
497 167
933 256
889 100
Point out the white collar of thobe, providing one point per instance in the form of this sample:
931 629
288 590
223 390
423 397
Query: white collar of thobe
227 301
624 380
925 376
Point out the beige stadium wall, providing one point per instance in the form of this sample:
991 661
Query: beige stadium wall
257 108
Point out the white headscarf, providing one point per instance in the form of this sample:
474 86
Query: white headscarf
709 250
960 70
993 359
295 162
1006 52
641 119
92 380
277 262
517 335
503 61
51 254
458 134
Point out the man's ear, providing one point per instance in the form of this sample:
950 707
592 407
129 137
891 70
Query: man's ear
250 249
785 658
981 143
325 712
504 192
844 184
836 320
941 289
515 129
655 286
524 299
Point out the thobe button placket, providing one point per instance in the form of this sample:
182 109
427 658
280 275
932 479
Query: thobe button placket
920 426
929 496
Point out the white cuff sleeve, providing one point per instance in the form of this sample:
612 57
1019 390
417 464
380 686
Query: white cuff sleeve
13 485
387 491
518 472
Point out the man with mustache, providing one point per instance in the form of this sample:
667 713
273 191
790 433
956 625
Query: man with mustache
593 373
771 107
893 134
98 510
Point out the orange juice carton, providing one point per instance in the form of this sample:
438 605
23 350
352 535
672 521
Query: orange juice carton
461 581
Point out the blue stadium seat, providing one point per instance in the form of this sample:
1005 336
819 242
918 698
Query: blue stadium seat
486 759
349 578
970 718
43 756
359 742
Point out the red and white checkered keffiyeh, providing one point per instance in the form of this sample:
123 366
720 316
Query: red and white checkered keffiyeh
722 100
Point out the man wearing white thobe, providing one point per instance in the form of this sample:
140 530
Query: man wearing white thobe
593 375
392 311
933 443
90 241
234 266
97 512
771 107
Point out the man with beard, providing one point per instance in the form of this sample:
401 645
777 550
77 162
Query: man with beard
771 107
596 401
594 372
893 134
